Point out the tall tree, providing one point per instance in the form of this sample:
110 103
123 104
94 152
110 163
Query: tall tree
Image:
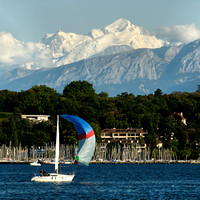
80 89
158 93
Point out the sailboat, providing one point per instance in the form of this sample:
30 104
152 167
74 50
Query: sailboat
35 163
85 150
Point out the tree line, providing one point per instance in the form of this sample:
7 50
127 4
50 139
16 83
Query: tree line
153 113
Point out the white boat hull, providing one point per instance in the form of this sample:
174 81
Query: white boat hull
54 178
35 164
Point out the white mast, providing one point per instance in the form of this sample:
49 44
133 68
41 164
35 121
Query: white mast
57 146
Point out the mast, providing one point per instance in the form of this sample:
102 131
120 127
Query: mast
57 146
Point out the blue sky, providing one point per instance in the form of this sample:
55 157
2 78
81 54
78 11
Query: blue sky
30 20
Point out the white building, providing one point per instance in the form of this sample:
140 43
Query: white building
39 118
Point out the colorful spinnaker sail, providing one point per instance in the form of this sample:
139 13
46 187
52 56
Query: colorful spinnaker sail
86 139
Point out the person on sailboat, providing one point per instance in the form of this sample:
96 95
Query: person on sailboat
41 172
44 173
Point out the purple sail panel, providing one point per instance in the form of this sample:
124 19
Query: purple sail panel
86 138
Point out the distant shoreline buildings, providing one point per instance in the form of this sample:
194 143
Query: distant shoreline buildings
39 118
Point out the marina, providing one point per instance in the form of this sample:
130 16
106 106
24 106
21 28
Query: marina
102 155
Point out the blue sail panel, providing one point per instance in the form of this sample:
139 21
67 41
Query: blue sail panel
86 138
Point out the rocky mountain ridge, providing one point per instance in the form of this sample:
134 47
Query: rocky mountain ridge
138 71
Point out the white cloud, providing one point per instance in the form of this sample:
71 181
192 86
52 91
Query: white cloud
142 87
180 33
16 53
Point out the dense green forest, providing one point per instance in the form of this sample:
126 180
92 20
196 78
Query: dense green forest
153 113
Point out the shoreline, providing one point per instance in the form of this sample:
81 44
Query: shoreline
118 162
148 162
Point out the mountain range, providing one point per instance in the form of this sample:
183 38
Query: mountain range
119 58
120 36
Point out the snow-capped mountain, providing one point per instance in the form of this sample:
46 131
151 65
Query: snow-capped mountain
139 71
61 48
69 47
118 58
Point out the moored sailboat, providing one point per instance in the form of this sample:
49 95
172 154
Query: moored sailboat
35 162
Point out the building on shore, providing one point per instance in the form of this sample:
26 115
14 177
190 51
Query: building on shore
38 118
128 136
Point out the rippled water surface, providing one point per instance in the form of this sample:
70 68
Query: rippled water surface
104 181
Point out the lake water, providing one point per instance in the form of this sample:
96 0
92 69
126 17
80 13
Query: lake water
104 181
